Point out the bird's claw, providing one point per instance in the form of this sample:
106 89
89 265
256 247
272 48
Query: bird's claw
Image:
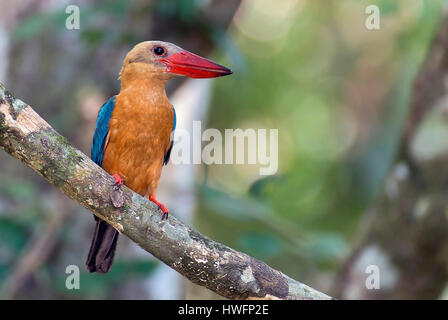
118 181
165 211
164 215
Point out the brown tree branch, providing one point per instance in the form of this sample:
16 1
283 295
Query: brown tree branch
232 274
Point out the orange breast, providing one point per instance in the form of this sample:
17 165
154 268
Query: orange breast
139 136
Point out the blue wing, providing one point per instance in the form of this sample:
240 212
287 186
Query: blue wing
166 158
101 131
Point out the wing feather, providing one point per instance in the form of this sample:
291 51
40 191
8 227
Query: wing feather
166 158
100 137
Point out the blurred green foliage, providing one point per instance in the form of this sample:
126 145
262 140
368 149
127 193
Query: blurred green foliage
312 70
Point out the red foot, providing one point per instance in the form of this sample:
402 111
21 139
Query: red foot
118 180
165 211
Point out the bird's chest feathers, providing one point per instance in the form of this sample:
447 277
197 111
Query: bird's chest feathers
141 125
139 136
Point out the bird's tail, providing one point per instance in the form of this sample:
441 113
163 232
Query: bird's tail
102 250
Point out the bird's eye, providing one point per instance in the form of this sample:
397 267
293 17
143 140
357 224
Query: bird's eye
159 51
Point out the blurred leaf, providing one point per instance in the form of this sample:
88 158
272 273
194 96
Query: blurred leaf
184 10
387 7
4 271
12 234
260 244
30 27
12 240
116 7
259 187
232 207
18 190
37 24
92 35
327 247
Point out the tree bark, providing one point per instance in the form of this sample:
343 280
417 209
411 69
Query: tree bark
405 234
232 274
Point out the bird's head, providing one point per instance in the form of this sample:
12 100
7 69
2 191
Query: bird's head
164 60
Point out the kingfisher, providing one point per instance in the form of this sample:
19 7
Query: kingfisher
133 136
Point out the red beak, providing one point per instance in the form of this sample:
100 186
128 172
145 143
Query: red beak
188 64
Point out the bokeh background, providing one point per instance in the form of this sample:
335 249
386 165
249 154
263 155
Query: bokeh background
338 93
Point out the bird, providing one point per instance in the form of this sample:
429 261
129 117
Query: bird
133 136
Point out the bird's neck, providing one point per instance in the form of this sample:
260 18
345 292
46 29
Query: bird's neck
156 87
142 82
146 92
